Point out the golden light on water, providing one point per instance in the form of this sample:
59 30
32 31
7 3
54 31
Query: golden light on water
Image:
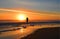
21 17
22 30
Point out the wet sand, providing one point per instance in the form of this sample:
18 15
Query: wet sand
33 32
45 33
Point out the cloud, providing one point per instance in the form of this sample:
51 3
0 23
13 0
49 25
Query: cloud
49 5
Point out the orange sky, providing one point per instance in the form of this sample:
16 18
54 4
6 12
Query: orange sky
12 14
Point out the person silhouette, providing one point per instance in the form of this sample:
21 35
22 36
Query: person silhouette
27 20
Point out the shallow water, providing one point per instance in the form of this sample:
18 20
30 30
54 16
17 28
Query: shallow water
17 34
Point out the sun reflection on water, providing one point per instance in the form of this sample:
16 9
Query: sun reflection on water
22 30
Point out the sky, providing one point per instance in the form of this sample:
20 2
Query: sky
12 14
48 9
44 5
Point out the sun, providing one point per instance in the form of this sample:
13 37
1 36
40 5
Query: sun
21 17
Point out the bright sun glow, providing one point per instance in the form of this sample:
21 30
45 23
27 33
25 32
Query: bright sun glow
21 17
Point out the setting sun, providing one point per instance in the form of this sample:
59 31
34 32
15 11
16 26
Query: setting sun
21 17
